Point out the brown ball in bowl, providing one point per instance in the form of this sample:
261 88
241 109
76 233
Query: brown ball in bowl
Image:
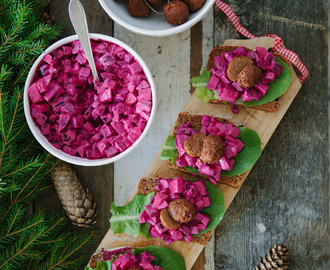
176 12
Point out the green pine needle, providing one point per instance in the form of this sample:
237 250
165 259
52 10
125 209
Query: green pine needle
41 241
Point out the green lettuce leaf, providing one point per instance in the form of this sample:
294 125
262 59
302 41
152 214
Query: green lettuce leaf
249 155
217 208
169 150
164 257
200 84
276 88
244 160
126 218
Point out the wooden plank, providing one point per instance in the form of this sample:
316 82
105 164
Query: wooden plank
264 123
285 198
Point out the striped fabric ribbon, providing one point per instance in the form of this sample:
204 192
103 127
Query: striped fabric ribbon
279 46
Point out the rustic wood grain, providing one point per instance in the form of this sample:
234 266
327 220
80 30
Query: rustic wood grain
264 123
285 199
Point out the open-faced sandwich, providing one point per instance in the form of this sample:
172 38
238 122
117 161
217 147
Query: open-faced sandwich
212 147
171 210
144 258
239 76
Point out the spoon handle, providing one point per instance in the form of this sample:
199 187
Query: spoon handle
79 22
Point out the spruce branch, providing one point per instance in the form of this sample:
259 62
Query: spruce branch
40 241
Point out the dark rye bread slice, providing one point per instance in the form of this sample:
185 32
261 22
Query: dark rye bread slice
272 106
147 185
195 120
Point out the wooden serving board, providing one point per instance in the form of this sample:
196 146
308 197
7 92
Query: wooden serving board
264 123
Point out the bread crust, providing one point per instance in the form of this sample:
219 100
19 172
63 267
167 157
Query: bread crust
272 106
147 185
195 120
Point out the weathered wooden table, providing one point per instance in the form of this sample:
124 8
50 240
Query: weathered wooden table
285 199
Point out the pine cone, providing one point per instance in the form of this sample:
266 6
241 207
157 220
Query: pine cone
77 203
276 259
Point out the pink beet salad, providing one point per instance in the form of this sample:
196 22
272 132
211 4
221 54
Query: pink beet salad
230 91
170 190
129 261
86 119
210 126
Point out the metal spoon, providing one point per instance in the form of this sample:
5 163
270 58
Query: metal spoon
79 22
156 8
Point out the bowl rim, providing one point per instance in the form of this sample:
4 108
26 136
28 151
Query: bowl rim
59 153
157 33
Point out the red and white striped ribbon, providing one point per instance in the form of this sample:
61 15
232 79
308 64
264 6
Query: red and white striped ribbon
278 47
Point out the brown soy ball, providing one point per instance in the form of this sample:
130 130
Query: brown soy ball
176 12
194 144
237 65
158 2
194 5
249 76
138 8
212 149
167 221
181 210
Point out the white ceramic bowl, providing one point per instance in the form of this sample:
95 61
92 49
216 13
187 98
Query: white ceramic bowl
60 154
155 24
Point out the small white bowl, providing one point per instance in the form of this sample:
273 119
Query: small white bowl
43 140
155 24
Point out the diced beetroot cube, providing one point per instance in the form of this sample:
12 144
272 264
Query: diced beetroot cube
66 65
213 83
106 95
47 79
176 234
145 94
111 151
228 56
262 88
84 72
63 121
228 94
135 67
176 185
261 51
253 55
142 85
276 67
102 145
201 227
58 53
120 145
69 150
55 142
107 75
262 64
239 51
119 127
131 99
95 154
251 94
206 201
69 136
143 105
205 220
80 59
96 138
185 230
53 92
107 60
34 93
45 129
269 58
68 108
48 58
194 229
